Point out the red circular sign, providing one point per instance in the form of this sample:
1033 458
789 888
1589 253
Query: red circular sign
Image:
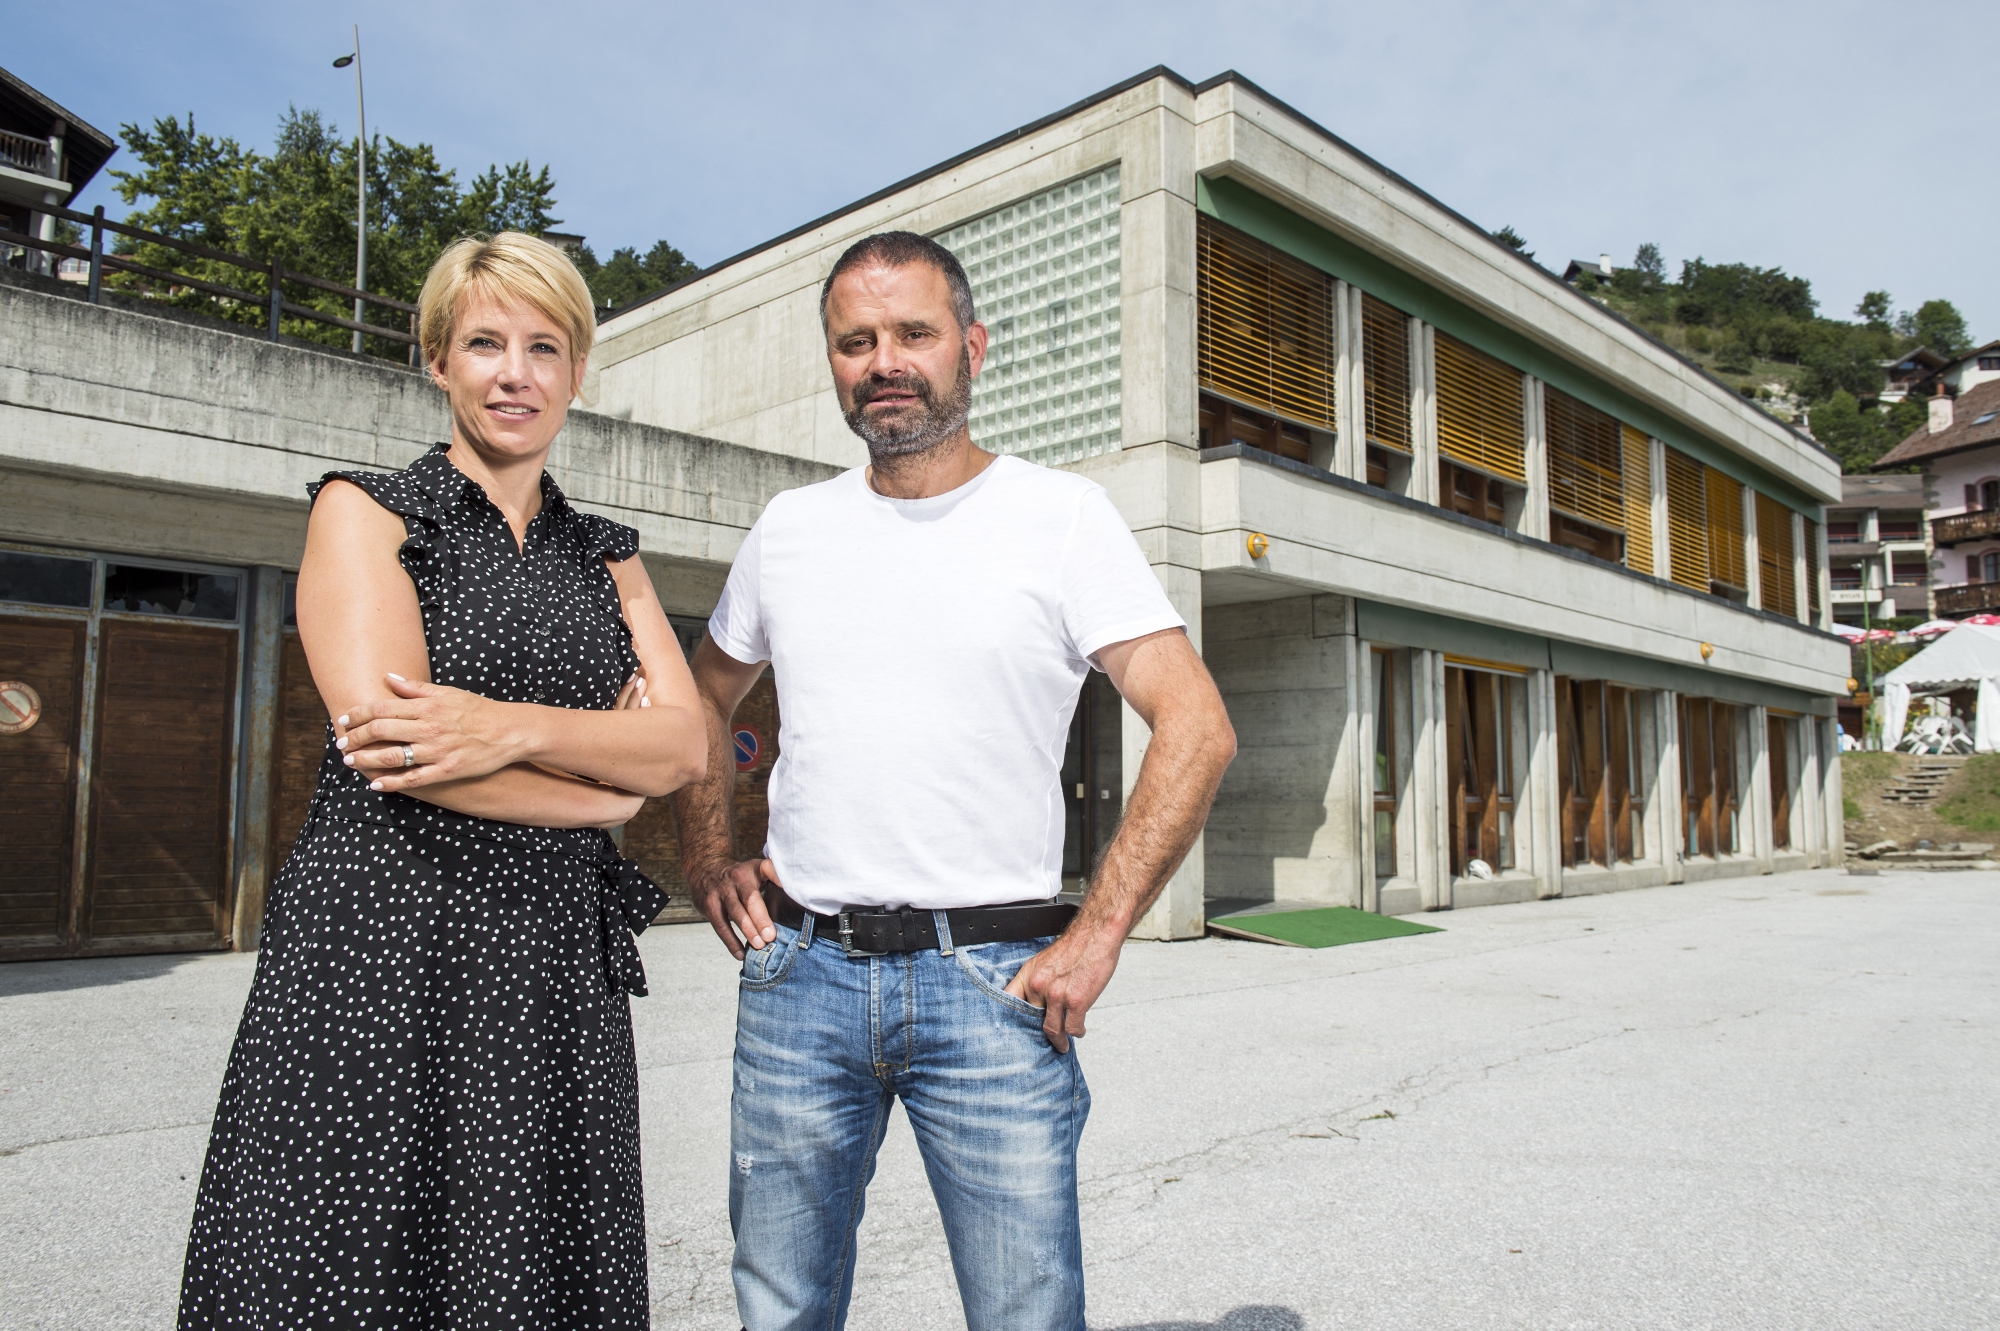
749 747
20 707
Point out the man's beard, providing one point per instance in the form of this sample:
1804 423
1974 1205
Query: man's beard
909 431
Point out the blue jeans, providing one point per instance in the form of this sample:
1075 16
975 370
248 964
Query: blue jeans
824 1043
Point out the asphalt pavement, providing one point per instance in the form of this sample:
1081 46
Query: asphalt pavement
1756 1103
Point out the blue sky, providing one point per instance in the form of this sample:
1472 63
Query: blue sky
1838 140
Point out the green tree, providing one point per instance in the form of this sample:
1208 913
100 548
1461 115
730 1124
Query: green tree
1938 325
1511 238
626 277
1874 311
296 205
1646 262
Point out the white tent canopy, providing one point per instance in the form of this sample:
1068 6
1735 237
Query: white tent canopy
1968 657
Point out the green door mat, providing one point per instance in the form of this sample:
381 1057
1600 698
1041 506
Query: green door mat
1327 927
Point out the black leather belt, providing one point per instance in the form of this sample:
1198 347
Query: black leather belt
875 933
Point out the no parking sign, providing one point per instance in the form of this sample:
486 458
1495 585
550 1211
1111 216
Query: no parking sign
749 748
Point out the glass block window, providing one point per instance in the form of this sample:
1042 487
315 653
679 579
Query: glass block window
1044 276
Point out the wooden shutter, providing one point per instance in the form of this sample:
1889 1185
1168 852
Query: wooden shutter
1638 498
1265 326
38 769
1586 462
1812 572
1479 411
301 746
1385 373
1776 575
1725 529
160 783
1687 521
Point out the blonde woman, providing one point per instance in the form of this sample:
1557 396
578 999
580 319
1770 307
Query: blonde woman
430 1116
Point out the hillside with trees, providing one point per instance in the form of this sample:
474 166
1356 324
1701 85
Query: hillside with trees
296 204
1759 330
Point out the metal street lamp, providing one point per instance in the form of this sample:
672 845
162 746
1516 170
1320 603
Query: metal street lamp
360 180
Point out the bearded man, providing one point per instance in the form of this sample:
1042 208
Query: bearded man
930 618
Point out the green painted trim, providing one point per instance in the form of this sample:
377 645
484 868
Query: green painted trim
1239 206
1386 625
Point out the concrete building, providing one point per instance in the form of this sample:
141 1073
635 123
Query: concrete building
1959 450
1507 600
1877 552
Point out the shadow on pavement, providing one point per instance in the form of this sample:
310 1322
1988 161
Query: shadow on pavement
51 977
1257 1317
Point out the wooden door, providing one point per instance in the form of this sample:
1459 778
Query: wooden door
157 875
38 767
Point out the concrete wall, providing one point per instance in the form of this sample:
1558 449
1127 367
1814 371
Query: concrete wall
159 436
1284 825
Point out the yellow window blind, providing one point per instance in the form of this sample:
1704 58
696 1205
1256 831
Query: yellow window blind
1265 326
1638 498
1725 529
1479 411
1812 571
1385 373
1586 461
1776 577
1687 521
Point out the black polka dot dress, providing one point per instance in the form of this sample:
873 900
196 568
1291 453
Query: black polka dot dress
431 1115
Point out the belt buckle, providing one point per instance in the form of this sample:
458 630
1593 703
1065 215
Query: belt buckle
846 922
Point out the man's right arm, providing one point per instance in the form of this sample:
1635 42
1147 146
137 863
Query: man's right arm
726 890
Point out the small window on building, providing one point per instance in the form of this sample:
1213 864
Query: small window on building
131 589
1989 363
1479 411
1728 572
1224 423
44 580
1846 577
1843 531
1477 496
1812 571
1586 476
1900 527
1989 566
1385 374
1909 570
1989 494
1985 417
1687 521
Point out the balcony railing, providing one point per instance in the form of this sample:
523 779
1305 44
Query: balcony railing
1966 527
1972 598
25 154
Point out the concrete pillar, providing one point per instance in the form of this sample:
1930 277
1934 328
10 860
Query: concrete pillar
1161 413
1832 805
1825 581
1673 850
1361 708
1423 412
1653 819
1539 823
1800 597
1756 800
256 768
1656 455
1534 425
1350 405
1753 580
1430 783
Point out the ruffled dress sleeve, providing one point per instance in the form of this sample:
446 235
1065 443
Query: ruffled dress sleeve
423 551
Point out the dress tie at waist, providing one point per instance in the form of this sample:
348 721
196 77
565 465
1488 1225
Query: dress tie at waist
627 901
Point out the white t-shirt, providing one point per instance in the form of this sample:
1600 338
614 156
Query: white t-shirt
928 654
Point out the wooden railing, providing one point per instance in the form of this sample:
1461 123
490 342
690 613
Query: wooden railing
1968 600
25 153
1966 527
274 276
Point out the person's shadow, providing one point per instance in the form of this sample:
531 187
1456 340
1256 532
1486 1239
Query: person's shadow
1259 1317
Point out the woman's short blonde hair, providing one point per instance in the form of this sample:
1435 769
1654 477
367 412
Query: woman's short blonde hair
512 266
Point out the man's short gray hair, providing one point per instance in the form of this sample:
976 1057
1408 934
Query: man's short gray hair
893 249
